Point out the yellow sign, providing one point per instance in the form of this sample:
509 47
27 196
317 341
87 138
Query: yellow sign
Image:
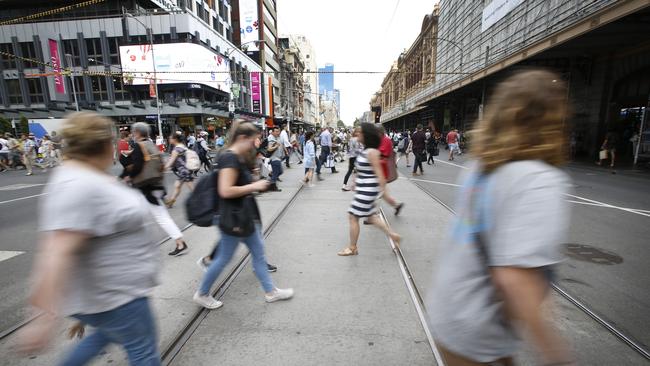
186 121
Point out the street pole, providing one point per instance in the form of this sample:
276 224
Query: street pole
68 60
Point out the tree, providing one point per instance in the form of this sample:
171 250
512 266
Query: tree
340 124
5 125
357 122
24 125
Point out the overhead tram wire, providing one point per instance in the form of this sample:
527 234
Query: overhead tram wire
51 12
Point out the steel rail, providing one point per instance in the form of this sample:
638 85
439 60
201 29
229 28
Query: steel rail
627 339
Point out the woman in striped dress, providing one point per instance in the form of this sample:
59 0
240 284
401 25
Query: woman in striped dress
370 183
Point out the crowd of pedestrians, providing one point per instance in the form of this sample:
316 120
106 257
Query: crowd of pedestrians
98 263
29 152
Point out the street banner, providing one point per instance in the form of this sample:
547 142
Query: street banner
59 85
152 89
256 92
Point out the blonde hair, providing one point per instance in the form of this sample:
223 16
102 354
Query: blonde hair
86 134
523 121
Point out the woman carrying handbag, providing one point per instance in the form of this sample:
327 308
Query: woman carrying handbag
239 217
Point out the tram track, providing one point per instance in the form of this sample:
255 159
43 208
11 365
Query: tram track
601 320
174 348
170 351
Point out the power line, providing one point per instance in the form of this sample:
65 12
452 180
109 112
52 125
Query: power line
51 12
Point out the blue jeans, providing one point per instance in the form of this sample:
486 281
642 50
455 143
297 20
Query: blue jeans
227 246
130 325
277 170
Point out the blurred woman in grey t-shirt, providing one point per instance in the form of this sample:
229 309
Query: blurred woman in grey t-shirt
97 262
495 268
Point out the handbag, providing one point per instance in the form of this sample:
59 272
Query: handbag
152 169
603 154
236 216
391 165
329 163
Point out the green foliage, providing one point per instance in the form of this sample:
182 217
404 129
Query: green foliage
24 125
357 122
340 124
5 125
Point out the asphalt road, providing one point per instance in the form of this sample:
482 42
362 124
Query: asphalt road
19 197
607 252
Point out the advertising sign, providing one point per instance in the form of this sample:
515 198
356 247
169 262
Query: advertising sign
167 4
496 10
176 63
249 23
256 92
59 85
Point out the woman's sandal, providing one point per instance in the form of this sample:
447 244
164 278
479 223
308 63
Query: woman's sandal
348 251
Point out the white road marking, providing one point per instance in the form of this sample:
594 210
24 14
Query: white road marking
434 182
7 254
15 187
603 204
446 162
22 198
585 201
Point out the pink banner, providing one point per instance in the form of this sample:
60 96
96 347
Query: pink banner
256 92
59 86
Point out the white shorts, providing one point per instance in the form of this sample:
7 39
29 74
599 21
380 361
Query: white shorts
453 147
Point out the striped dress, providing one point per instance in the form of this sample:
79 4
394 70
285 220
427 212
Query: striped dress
367 188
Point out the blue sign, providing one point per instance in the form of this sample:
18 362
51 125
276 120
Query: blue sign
249 29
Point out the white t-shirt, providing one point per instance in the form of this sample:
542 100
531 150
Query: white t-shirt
525 220
4 146
120 261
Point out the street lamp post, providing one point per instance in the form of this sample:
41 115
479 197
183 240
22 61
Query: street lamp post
155 77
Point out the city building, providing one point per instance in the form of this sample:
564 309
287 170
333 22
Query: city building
129 60
329 113
598 47
292 92
326 80
308 55
258 36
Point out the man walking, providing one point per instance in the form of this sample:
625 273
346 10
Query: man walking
56 147
29 152
284 140
452 143
278 154
325 151
418 143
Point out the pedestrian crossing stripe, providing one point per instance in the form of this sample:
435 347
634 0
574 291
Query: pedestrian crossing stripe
15 187
8 254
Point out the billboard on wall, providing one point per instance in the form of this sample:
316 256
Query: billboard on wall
176 63
249 24
59 85
256 92
496 10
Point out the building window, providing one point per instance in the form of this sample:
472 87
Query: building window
29 52
114 50
71 46
99 88
35 91
79 87
120 91
94 49
8 62
13 87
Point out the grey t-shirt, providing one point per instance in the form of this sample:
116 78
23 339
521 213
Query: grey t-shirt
526 219
278 154
120 261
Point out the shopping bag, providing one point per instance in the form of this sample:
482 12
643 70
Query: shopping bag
603 154
329 163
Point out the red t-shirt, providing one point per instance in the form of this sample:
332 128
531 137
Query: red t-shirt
122 145
385 149
452 137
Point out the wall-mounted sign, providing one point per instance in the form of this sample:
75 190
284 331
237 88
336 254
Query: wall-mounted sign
59 85
496 10
176 63
256 91
249 24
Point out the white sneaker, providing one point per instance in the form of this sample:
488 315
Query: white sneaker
207 301
202 264
279 294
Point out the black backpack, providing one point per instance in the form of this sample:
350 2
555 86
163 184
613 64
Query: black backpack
264 148
203 204
199 149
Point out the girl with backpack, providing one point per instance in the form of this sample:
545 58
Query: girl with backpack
238 216
178 163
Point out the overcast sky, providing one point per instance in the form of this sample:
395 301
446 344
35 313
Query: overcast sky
355 35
